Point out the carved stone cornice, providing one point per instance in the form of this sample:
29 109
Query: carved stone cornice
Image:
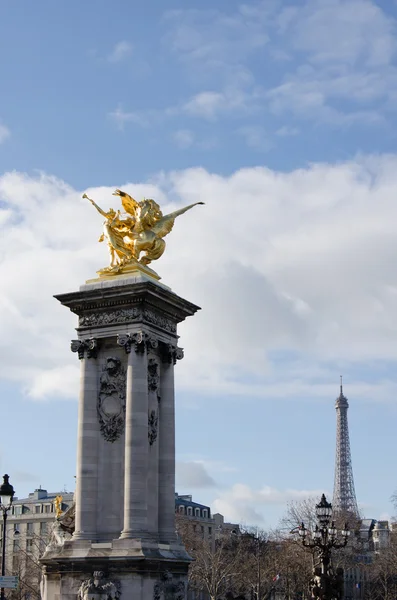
101 305
149 316
171 353
87 347
110 317
140 341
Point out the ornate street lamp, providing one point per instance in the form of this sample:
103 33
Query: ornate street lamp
6 497
323 539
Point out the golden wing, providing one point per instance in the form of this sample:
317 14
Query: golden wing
166 223
163 226
129 204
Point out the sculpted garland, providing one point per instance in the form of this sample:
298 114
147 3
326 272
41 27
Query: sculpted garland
136 238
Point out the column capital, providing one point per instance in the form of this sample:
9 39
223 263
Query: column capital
140 341
171 353
85 347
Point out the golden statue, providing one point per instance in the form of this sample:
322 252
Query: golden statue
142 231
58 506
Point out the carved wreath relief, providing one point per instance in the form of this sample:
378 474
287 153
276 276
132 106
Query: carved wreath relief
99 587
111 399
167 588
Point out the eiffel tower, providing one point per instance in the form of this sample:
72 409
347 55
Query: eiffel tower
344 500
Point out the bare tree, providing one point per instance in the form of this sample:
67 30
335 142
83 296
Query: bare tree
25 564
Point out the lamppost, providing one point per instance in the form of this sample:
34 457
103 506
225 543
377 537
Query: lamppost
323 539
6 496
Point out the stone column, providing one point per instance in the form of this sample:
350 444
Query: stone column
167 445
136 435
87 442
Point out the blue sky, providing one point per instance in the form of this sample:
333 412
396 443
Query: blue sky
281 116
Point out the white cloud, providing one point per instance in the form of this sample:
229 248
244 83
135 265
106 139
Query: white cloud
121 117
209 105
340 30
213 38
287 131
297 264
4 133
205 104
243 504
256 137
120 51
193 475
330 71
183 138
335 62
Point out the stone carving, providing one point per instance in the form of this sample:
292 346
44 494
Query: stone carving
168 589
172 353
153 376
140 341
142 230
152 427
111 399
62 529
151 317
124 315
58 536
98 587
83 347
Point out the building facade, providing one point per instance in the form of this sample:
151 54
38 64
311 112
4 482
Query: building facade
29 525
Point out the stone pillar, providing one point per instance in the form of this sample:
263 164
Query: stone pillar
87 442
136 435
167 445
126 444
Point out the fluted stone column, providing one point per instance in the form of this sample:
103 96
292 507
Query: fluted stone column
136 435
167 445
87 442
129 477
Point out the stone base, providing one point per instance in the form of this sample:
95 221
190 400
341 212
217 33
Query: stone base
127 269
82 571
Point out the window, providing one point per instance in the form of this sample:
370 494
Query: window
37 509
209 530
29 528
29 545
16 563
47 508
189 510
205 513
43 528
15 545
197 512
182 509
18 509
16 527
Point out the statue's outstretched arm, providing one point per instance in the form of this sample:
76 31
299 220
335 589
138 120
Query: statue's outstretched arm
99 209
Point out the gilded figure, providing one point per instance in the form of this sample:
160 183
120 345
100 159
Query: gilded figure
58 506
138 236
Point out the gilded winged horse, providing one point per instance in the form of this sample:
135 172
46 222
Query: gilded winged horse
142 231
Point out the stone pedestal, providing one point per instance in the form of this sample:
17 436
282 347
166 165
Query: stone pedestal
124 543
